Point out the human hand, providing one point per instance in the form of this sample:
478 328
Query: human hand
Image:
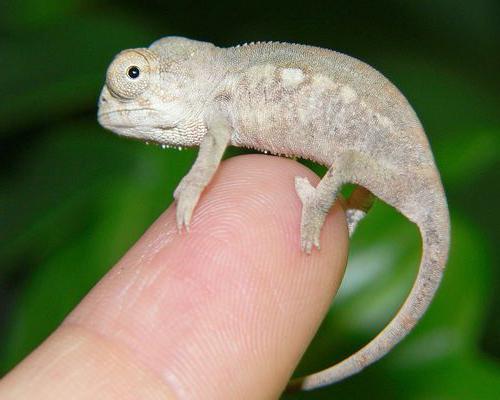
224 312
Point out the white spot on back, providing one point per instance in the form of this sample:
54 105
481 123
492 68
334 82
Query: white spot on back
347 94
292 77
321 82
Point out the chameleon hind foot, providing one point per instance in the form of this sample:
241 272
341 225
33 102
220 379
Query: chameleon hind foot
316 203
313 216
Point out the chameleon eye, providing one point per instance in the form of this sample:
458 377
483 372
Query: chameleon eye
130 73
133 72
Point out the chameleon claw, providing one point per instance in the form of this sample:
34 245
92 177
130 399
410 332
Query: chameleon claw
183 215
181 227
308 244
186 197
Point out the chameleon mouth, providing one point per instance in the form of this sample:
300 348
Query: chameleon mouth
148 130
106 114
121 118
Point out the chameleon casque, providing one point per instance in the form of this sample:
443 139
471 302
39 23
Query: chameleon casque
293 100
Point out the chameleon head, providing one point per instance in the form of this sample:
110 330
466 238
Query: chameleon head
143 101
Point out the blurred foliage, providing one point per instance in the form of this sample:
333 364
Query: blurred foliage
73 197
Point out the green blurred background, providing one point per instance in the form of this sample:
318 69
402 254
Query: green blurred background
73 197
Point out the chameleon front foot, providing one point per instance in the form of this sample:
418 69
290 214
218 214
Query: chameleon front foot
313 216
186 196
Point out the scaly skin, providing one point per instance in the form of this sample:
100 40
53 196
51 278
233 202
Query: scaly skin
292 100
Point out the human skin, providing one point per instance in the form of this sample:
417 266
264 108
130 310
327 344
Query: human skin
223 313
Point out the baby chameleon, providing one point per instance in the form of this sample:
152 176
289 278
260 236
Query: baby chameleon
298 101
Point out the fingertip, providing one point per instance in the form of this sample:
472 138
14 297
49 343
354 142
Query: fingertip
227 310
235 292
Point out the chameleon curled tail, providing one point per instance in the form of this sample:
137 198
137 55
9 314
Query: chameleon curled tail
434 230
